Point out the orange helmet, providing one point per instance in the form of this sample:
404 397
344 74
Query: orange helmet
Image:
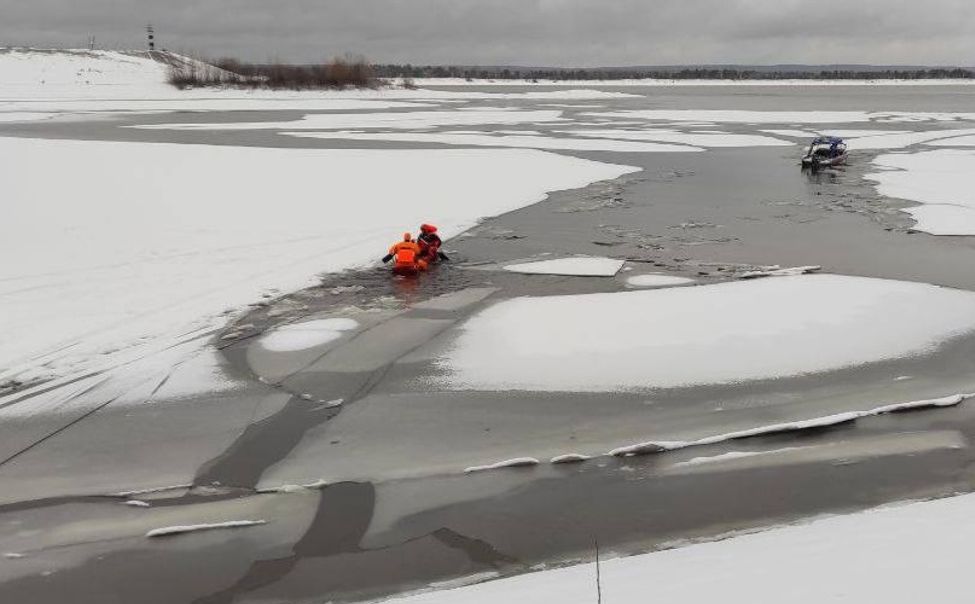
428 228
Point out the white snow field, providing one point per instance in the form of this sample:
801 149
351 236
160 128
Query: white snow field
580 266
512 141
723 333
114 247
899 554
54 72
939 180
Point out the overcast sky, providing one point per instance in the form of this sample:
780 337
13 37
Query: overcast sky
516 32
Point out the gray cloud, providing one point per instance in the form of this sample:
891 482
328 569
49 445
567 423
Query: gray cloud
524 32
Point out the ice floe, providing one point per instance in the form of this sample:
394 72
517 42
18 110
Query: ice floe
513 141
517 462
739 116
581 266
796 426
940 180
674 337
894 554
301 336
169 264
168 531
656 280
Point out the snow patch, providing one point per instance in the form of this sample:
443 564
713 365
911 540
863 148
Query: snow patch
302 336
656 280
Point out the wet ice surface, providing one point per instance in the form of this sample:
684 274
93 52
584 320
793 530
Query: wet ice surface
387 505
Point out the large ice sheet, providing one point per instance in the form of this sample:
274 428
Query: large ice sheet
709 139
515 141
724 333
896 555
126 245
939 179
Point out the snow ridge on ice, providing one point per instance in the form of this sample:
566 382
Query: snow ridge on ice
781 272
167 531
569 458
517 462
797 426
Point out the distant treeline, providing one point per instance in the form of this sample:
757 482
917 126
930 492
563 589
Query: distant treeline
344 72
702 73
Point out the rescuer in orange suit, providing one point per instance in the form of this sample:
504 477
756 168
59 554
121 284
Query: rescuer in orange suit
406 257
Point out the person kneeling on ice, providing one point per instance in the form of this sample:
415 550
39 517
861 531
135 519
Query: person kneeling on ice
430 243
406 257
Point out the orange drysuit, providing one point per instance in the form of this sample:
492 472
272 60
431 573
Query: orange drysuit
406 256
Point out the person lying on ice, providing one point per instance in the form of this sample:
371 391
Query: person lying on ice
406 256
430 243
